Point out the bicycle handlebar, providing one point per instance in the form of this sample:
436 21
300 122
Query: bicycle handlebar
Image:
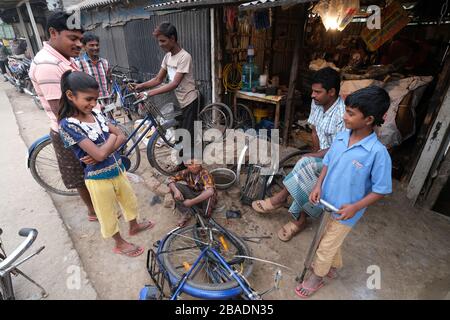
30 235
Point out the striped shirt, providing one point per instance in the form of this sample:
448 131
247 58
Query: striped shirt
45 73
98 70
328 123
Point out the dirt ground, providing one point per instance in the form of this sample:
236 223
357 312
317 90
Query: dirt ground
409 245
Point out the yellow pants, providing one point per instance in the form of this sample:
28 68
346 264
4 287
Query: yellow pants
105 195
328 253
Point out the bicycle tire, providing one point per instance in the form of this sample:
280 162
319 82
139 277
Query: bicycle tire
202 290
166 152
59 188
135 156
223 108
242 112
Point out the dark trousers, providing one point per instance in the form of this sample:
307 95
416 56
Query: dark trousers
188 193
186 120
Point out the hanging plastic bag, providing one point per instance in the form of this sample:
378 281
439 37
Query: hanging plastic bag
336 14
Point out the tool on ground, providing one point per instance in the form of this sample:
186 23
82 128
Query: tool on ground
328 209
255 239
233 214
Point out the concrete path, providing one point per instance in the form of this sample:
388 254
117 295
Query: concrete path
25 204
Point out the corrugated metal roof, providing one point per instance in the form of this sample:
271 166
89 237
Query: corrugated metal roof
259 4
86 4
180 4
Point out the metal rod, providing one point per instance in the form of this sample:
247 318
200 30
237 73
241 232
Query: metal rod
33 24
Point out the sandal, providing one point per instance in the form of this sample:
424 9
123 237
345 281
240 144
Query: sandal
146 225
289 230
134 252
300 288
264 206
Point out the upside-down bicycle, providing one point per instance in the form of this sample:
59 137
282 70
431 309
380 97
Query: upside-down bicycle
205 261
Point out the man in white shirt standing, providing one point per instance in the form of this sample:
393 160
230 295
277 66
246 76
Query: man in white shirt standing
177 64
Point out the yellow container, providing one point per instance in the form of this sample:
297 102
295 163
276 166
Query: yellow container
260 113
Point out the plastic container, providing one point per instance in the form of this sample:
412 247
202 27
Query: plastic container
260 113
224 178
250 72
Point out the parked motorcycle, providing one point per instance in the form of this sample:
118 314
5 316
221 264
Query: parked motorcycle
19 67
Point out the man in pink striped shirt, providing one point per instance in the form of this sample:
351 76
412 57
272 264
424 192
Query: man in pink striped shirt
46 70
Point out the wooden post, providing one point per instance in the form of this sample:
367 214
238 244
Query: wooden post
435 141
294 74
438 184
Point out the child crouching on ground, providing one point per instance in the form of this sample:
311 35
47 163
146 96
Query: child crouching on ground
356 173
194 193
95 141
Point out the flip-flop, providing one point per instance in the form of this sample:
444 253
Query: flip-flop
136 251
264 206
148 225
289 230
310 290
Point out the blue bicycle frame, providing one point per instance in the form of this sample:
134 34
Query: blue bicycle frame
233 292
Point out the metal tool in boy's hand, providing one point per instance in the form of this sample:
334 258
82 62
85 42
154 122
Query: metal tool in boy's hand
329 208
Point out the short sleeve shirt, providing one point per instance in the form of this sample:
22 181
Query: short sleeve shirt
355 172
328 123
181 63
200 182
45 73
98 70
73 131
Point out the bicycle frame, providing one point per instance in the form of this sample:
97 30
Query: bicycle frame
242 283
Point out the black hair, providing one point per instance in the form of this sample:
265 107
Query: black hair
371 101
88 37
58 21
328 78
166 29
74 81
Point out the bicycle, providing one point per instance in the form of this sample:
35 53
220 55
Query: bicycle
119 97
204 261
9 266
44 168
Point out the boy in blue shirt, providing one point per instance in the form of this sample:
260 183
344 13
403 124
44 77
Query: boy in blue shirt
356 173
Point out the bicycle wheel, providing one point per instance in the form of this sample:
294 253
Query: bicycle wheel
216 115
44 169
243 117
209 280
162 156
135 155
